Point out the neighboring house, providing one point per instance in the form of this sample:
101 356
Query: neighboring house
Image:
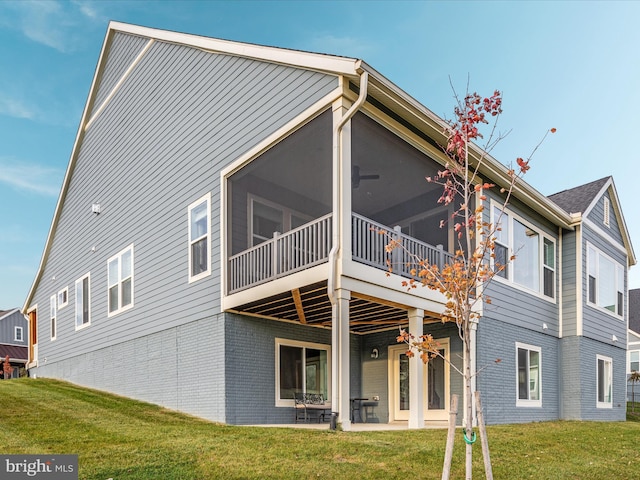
215 249
633 343
14 331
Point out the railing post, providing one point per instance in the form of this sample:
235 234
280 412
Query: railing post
394 256
440 249
275 255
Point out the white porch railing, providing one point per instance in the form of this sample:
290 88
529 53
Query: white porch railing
284 254
309 245
369 246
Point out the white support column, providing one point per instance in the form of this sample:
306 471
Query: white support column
416 373
341 332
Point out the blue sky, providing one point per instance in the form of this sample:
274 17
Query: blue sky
570 65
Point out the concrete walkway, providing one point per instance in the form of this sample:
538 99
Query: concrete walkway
357 427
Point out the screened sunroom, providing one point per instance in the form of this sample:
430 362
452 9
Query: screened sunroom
280 204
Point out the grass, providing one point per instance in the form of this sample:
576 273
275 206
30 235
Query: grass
123 439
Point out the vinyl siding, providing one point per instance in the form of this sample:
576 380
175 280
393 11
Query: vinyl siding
597 323
181 116
123 50
596 215
569 284
8 326
517 305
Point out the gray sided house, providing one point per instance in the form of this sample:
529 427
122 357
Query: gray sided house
217 239
14 342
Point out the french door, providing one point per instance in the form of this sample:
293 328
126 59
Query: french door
436 384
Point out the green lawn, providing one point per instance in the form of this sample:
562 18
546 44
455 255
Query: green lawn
123 439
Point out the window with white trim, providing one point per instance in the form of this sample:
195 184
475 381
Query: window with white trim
605 282
120 281
529 375
52 317
200 238
533 253
604 382
17 334
301 367
634 361
63 297
83 302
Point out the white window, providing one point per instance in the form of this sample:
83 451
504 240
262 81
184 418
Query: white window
267 217
63 297
52 316
301 368
605 282
200 238
529 375
120 281
634 361
604 382
17 334
83 314
607 208
533 264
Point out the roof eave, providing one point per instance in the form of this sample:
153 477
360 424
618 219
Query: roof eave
314 61
492 169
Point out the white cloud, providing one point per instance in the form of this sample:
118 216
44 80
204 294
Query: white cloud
15 108
30 178
56 24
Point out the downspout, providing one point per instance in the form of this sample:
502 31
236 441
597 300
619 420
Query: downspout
335 248
335 238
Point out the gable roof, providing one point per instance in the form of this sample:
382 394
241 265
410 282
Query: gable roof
6 313
634 310
381 92
579 199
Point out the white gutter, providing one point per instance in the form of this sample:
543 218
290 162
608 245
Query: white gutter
335 248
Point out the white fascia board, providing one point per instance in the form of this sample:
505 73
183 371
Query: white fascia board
298 58
609 184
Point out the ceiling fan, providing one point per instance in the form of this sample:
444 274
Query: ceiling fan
356 177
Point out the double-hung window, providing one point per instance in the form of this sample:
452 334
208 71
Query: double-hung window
301 368
604 382
83 317
17 334
120 281
200 238
63 297
605 281
634 361
52 316
529 375
523 255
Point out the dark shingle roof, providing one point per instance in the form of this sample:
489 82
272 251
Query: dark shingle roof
15 352
578 199
634 310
